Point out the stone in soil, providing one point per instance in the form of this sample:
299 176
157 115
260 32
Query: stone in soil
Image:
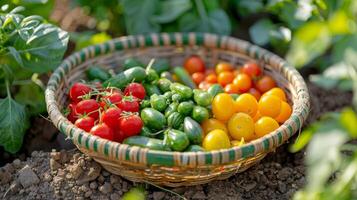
106 188
27 177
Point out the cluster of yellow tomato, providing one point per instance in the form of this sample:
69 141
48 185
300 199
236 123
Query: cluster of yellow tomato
244 119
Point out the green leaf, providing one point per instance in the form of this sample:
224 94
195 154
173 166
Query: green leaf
247 7
311 40
44 49
340 47
171 10
260 31
135 194
32 96
339 23
13 124
219 22
348 120
304 138
16 56
138 15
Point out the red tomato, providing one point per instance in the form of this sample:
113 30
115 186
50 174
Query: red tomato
88 107
129 104
72 116
244 82
255 93
77 90
118 135
225 78
111 98
265 83
136 90
198 77
194 64
110 117
86 123
252 69
130 125
103 131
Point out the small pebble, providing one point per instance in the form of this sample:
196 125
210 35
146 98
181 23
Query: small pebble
106 188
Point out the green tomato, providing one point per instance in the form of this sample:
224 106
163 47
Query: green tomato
200 114
185 108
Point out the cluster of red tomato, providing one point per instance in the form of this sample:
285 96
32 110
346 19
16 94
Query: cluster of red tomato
107 113
249 78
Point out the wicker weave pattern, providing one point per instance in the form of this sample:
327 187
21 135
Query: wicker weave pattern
175 168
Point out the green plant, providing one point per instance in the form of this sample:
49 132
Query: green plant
28 47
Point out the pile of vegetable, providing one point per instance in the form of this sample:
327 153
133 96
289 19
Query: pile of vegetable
153 107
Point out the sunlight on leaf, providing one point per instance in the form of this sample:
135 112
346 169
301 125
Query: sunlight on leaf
339 23
135 194
348 120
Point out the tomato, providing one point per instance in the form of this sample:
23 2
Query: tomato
284 113
77 90
128 104
88 107
111 98
194 64
246 103
86 123
222 106
252 69
237 143
225 78
236 72
244 82
223 67
257 116
211 78
204 85
265 83
209 71
211 124
216 140
118 135
110 116
136 90
276 92
255 93
130 125
269 106
264 126
198 77
241 125
72 115
104 131
231 88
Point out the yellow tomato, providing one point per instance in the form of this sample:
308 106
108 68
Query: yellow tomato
246 103
284 113
237 143
278 92
269 106
264 126
211 124
216 140
241 125
223 106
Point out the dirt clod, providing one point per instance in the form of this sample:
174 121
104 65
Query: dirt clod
27 177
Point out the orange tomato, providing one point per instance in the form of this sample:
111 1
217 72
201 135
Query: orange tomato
211 78
255 93
194 64
223 67
252 69
244 82
246 103
211 124
284 113
198 77
236 72
231 88
276 92
204 85
265 83
225 78
269 106
257 116
264 126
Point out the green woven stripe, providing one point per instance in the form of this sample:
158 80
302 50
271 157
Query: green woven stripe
106 47
106 149
80 135
208 158
172 38
280 137
232 155
160 159
199 39
248 151
148 41
266 144
87 142
291 132
95 146
117 151
185 39
161 40
71 133
296 120
118 45
97 50
127 154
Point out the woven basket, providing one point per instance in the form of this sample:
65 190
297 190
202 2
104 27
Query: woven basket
175 168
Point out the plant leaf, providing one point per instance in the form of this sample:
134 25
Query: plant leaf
16 56
13 124
32 96
260 31
171 10
44 48
348 120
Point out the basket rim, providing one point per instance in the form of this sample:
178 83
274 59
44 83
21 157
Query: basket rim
125 153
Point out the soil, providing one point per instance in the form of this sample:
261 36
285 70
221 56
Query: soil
71 175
